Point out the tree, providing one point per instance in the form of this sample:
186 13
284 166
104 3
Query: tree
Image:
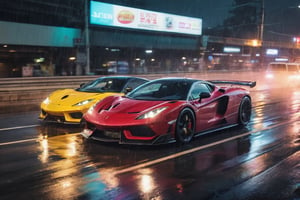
244 19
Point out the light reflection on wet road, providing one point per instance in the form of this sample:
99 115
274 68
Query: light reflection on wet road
55 162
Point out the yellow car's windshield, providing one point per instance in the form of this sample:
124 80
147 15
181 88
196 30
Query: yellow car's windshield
104 85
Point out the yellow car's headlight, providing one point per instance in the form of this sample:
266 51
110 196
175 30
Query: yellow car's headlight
46 101
83 102
91 109
152 113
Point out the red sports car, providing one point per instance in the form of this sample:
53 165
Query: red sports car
168 110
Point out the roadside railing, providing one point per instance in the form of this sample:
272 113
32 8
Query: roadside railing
26 94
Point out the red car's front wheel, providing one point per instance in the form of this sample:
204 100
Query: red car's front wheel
185 126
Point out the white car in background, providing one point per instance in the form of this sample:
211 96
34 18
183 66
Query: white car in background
283 74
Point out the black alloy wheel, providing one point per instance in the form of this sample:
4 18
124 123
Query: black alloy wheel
185 126
245 111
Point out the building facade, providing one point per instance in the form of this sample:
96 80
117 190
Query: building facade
34 38
53 37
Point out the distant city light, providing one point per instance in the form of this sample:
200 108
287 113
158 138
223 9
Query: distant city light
296 39
39 60
255 43
232 49
281 59
272 52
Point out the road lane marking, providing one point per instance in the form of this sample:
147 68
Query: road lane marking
19 141
160 160
18 127
31 140
182 153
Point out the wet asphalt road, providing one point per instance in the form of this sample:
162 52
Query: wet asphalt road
259 162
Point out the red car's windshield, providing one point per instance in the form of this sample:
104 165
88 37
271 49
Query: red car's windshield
160 90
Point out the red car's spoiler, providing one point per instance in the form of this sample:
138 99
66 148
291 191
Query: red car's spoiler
246 83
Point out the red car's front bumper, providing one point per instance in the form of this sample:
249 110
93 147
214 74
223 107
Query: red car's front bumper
138 135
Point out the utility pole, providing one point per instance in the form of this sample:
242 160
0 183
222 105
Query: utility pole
262 21
261 34
87 37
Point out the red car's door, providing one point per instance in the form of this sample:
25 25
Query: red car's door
206 108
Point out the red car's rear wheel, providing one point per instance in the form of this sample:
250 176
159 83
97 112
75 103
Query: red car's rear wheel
185 126
245 111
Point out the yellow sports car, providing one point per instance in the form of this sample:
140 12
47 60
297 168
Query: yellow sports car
69 105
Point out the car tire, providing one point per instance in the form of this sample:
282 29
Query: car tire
244 111
185 126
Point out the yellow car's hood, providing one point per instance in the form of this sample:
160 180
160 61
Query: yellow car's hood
67 98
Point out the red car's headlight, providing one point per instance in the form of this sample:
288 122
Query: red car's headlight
152 113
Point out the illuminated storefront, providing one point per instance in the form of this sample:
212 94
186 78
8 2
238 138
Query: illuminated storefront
148 41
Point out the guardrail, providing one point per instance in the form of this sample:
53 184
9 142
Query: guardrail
26 94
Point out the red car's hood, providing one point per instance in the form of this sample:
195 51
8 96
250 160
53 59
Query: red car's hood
121 111
126 105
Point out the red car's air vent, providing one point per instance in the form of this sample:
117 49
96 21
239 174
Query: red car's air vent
105 107
134 112
115 105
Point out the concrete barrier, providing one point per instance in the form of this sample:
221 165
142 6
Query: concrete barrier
26 94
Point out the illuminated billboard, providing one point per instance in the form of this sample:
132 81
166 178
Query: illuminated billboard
126 17
232 50
273 52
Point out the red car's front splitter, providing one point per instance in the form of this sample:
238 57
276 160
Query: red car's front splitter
123 137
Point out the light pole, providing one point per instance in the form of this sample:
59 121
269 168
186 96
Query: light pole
87 37
262 21
261 34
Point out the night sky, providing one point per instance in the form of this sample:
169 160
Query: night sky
281 16
213 12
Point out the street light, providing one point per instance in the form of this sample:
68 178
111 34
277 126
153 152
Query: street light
261 33
261 29
87 37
